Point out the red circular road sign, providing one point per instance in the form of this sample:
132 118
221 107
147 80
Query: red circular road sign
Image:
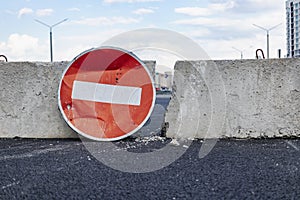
106 94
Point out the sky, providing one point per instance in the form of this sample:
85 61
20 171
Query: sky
218 26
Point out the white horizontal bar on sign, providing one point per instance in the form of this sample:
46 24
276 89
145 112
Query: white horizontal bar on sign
104 93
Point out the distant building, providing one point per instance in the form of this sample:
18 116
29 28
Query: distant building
167 80
157 80
293 28
164 81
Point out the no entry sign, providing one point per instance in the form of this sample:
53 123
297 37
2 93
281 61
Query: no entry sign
106 94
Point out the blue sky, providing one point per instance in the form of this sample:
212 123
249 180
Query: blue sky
216 25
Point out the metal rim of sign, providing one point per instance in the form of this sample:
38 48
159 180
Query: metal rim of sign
81 133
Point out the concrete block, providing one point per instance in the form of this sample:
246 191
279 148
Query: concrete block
28 105
261 98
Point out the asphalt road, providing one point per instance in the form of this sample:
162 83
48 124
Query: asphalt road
234 169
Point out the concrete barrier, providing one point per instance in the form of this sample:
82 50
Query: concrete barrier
29 101
261 99
28 106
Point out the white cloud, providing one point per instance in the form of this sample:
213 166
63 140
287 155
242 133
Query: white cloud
210 22
23 47
229 28
222 6
236 24
44 12
24 11
106 21
129 1
257 6
19 44
143 11
69 47
199 33
231 25
265 3
28 11
194 11
211 9
74 9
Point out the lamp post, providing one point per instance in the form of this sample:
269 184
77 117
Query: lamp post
267 30
239 51
50 29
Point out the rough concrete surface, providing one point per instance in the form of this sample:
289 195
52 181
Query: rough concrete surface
260 98
28 106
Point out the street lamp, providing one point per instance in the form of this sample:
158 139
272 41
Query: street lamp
50 29
267 30
239 51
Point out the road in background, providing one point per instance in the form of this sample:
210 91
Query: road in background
234 169
154 124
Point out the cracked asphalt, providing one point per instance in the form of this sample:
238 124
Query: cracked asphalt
234 169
